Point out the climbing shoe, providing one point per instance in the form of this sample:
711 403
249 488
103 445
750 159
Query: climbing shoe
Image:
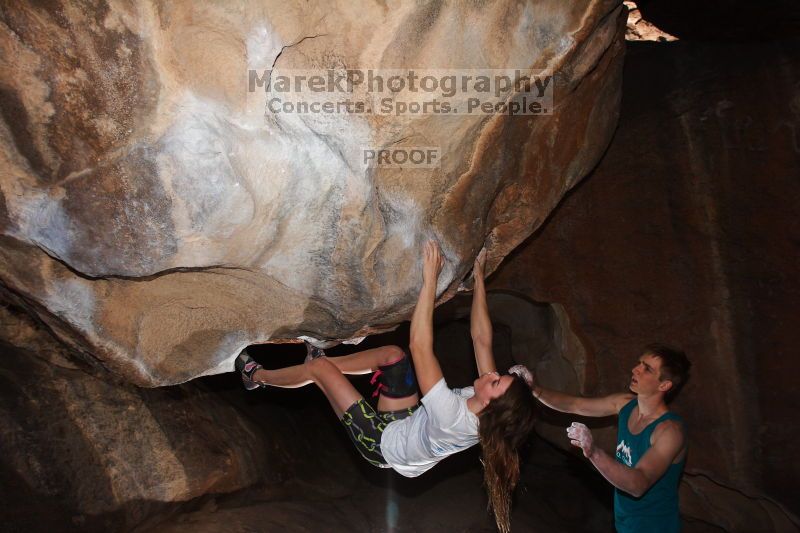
247 367
312 352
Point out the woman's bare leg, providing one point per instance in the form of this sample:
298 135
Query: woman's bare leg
358 363
363 362
290 377
368 360
340 392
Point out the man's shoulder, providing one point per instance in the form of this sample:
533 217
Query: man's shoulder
621 400
670 428
670 424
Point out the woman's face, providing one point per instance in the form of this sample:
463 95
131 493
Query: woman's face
491 385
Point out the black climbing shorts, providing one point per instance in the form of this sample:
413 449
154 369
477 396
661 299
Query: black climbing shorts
397 379
365 426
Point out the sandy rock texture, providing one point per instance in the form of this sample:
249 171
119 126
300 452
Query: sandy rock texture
89 453
687 233
157 217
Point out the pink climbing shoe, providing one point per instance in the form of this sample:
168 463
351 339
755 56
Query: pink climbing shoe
247 367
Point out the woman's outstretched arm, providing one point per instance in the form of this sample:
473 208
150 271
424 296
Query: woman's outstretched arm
480 325
421 337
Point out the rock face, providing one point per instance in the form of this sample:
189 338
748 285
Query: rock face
156 215
687 233
89 454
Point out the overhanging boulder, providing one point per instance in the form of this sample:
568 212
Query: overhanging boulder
156 215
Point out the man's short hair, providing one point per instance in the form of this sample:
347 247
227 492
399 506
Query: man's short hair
674 366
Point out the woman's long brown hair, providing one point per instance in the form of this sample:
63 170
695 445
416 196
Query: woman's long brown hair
503 427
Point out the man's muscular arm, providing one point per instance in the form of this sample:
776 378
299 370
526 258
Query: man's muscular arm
578 405
667 442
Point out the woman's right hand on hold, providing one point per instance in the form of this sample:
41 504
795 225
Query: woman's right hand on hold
432 262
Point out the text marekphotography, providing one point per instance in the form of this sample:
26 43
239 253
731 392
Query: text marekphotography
403 92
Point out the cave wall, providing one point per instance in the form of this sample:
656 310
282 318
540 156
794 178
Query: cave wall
687 232
80 450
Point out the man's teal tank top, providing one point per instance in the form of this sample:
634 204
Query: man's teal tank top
657 510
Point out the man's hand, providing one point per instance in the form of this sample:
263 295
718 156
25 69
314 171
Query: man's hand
530 378
432 263
581 437
523 372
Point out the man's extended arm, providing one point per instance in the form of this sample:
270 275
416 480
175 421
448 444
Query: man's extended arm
421 336
566 403
480 326
667 442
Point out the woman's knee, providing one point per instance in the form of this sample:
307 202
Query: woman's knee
392 354
319 366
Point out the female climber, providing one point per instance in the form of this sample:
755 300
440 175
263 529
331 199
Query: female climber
497 411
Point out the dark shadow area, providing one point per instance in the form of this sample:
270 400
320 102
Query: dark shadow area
21 508
724 20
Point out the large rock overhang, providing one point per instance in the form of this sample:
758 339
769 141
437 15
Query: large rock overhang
157 219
